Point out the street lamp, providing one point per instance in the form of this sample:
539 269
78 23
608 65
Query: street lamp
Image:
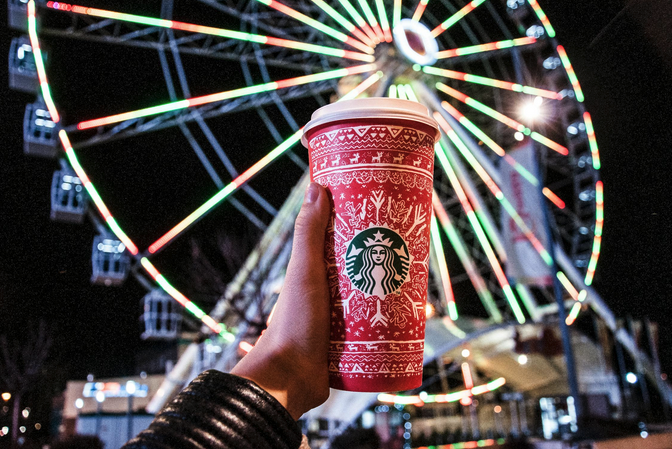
130 390
100 398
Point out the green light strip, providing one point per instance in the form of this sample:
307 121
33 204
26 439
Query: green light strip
482 290
443 269
480 235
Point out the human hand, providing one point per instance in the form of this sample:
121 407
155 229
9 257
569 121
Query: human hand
290 359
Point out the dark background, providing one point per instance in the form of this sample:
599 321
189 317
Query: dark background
622 54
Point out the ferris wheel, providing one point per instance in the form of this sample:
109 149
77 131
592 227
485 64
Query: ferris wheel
204 102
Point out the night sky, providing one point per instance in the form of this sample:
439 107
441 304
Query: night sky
622 54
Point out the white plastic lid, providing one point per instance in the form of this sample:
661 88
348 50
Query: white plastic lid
368 108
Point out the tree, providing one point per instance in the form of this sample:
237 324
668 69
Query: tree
21 367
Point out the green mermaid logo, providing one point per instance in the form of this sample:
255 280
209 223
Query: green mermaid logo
377 261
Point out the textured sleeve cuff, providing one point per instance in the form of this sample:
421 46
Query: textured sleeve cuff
219 410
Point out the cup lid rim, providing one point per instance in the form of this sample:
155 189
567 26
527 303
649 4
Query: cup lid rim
364 108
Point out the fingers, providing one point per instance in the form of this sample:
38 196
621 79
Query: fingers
309 233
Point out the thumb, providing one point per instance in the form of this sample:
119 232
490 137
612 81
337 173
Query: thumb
309 234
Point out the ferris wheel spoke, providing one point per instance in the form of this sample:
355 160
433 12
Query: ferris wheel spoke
345 23
371 18
384 23
459 15
396 13
481 48
247 175
443 267
506 204
419 11
506 85
317 25
226 95
220 32
483 137
502 118
479 232
359 20
466 260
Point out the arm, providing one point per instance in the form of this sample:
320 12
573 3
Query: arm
281 378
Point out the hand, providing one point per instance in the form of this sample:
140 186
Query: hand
290 359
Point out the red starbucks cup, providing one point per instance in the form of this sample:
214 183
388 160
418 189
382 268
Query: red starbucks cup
376 158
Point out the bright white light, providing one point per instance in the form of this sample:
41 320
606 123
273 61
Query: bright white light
25 413
4 431
22 429
532 110
423 47
522 359
631 378
465 353
130 387
519 136
79 403
100 396
643 434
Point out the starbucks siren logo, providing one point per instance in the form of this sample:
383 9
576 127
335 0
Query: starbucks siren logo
377 261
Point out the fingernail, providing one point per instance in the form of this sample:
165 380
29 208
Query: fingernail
312 193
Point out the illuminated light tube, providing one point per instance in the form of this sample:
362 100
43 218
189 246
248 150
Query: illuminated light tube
419 11
184 301
452 20
392 91
345 23
485 47
225 192
39 64
93 193
494 188
555 199
371 18
542 17
396 13
401 92
359 20
570 73
250 90
481 107
492 82
443 268
317 25
475 130
549 143
466 375
597 239
592 141
424 398
573 314
410 94
249 173
245 346
478 230
568 285
502 118
478 282
229 34
380 6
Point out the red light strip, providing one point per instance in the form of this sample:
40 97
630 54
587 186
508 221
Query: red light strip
485 47
229 34
555 199
597 240
236 93
419 11
469 7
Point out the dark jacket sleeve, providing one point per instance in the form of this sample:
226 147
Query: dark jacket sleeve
219 410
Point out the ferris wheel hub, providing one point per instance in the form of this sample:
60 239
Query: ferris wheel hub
415 42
